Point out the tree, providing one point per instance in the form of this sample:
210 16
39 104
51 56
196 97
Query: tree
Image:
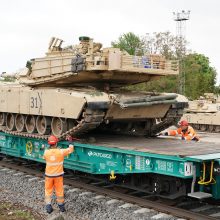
130 43
164 43
200 77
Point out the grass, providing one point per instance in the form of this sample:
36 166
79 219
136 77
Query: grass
9 211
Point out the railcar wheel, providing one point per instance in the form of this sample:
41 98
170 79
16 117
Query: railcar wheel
203 127
10 122
30 124
43 124
20 122
58 126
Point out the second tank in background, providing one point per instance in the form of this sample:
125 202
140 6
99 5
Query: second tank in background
204 114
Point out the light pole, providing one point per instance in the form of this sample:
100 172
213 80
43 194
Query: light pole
181 18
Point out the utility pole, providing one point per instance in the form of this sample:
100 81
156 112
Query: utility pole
181 18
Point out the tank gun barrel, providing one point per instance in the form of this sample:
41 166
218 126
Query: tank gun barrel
150 99
139 104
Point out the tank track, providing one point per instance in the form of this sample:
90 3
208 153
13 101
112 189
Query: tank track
151 130
172 117
206 127
90 120
162 126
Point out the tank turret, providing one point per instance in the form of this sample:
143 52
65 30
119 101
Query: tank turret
77 88
87 63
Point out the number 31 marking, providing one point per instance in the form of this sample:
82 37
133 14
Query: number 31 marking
34 102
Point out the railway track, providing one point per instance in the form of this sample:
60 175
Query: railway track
174 208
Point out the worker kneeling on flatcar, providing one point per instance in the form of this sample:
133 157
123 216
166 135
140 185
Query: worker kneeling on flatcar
54 173
185 130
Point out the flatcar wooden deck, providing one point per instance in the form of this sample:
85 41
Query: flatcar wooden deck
160 145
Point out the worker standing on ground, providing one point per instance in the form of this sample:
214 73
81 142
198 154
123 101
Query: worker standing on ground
54 173
186 131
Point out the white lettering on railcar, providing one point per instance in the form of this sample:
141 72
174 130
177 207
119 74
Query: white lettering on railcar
97 154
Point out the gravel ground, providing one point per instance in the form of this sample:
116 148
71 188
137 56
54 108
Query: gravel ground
28 190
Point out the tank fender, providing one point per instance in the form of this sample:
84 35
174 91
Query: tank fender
97 100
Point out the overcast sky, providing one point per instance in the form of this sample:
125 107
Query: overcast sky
27 25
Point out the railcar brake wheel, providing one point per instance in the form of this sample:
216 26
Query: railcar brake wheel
29 147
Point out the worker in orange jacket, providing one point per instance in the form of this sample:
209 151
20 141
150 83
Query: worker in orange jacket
186 131
54 173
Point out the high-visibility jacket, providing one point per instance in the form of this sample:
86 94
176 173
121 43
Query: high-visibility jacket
54 161
188 135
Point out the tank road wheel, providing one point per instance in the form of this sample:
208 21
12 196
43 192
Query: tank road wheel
71 123
30 124
43 124
203 127
211 128
10 122
20 122
217 128
58 126
196 126
2 118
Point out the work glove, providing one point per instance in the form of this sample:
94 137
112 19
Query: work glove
71 146
69 138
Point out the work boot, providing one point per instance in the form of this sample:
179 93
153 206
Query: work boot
62 207
49 208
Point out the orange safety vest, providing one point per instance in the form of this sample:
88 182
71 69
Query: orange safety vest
188 135
54 161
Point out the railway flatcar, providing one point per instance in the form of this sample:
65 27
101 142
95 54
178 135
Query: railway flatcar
164 167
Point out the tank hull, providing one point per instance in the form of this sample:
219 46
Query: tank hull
64 111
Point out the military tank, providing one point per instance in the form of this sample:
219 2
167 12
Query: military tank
75 89
204 114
